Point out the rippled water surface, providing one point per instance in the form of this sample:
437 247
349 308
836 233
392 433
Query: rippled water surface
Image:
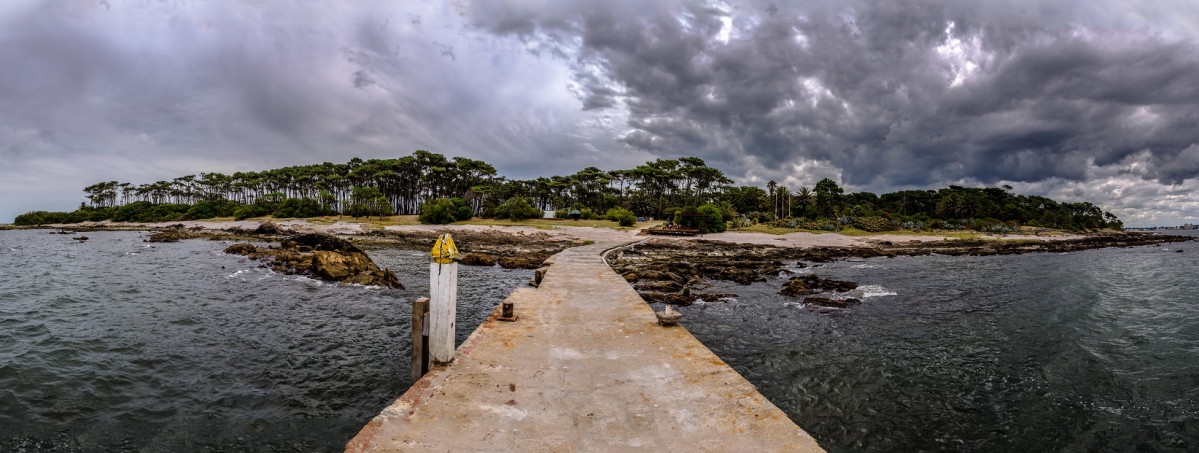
118 345
1086 351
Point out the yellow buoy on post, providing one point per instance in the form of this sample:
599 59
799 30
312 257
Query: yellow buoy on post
443 299
444 251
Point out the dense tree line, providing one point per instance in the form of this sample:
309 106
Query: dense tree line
441 190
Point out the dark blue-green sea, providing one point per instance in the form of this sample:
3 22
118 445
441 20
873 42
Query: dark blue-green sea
114 344
1075 352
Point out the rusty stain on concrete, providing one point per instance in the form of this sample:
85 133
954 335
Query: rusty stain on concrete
585 368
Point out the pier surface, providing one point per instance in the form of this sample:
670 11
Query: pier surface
586 367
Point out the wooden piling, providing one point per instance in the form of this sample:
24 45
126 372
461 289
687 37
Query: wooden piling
420 338
443 295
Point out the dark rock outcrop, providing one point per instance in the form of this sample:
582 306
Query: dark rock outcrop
322 256
478 259
682 300
796 287
812 284
173 235
267 227
530 261
827 302
683 262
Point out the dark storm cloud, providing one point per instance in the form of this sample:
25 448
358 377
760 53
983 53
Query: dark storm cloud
1057 97
892 93
142 90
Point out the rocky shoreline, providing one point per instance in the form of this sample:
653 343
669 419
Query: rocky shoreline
343 257
674 271
671 271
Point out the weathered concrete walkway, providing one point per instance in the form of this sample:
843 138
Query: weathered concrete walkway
585 368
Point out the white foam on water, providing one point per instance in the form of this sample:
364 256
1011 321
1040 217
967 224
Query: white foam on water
861 293
876 291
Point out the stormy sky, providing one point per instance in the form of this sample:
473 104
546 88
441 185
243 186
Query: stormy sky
1092 100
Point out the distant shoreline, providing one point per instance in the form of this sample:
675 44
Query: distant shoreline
358 228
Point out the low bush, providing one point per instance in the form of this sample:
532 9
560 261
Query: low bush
516 208
622 216
301 208
244 212
438 212
872 224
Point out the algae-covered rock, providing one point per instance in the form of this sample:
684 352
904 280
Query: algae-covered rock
322 256
832 303
173 235
267 227
478 259
660 287
796 287
340 266
521 262
241 249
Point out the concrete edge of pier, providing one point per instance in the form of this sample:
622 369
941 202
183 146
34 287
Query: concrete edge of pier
585 368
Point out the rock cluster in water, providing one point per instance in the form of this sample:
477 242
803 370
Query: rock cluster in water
662 269
322 256
812 284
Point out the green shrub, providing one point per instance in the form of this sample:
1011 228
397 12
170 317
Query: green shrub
250 210
516 208
872 224
39 218
463 213
622 216
210 209
462 210
706 218
301 208
101 214
438 212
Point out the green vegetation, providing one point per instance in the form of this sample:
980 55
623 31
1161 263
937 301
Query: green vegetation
516 208
706 218
623 217
684 190
444 210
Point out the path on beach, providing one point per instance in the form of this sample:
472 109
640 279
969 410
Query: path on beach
585 368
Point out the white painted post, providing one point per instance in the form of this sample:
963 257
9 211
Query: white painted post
443 299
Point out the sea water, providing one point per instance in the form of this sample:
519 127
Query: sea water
115 344
1085 351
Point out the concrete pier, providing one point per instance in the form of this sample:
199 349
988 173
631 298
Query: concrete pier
585 368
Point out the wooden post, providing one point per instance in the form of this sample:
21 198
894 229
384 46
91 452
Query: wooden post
420 339
443 295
